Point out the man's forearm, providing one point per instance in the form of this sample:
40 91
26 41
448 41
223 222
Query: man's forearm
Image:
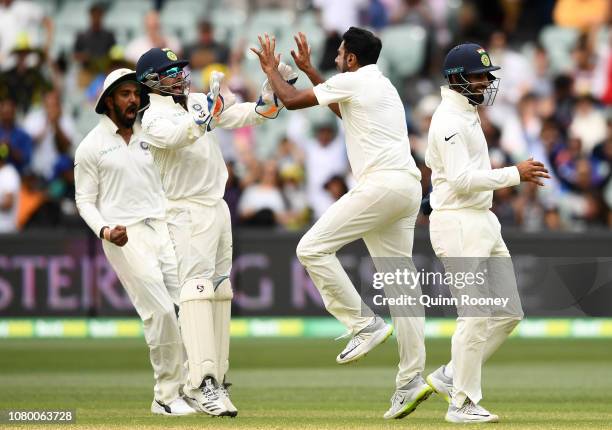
282 88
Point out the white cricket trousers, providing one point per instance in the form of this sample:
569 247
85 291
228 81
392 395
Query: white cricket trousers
146 267
381 210
473 233
202 237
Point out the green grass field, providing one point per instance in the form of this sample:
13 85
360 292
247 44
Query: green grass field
295 383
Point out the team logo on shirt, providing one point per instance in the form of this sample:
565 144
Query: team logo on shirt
197 107
144 146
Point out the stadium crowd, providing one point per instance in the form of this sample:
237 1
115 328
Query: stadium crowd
554 101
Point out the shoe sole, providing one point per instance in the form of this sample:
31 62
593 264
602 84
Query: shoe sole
450 419
166 414
445 396
373 345
410 408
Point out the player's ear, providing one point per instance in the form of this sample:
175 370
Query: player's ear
351 59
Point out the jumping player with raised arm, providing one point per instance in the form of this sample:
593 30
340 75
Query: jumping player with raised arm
381 209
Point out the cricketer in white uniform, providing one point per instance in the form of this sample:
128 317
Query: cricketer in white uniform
119 194
381 209
179 128
461 224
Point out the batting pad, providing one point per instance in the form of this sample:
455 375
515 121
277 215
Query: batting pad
222 310
196 319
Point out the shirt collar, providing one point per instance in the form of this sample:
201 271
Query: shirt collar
457 100
368 68
109 125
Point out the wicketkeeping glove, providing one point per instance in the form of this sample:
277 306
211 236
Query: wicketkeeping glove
206 108
268 105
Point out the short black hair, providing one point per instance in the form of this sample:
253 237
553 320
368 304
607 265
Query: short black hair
363 43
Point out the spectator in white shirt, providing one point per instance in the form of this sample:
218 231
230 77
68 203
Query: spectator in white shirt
54 135
154 38
325 157
9 192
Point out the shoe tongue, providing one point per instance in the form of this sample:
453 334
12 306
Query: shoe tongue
209 383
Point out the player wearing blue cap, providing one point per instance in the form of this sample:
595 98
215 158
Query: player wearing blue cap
461 224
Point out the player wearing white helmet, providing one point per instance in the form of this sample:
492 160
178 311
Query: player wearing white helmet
119 194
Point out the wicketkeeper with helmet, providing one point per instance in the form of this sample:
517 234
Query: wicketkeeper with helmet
179 127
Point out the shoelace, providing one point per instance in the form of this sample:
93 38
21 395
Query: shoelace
397 397
222 391
209 393
469 408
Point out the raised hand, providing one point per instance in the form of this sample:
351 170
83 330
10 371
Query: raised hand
302 56
268 59
532 171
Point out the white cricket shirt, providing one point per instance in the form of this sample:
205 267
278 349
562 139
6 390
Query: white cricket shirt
458 157
189 160
116 183
374 121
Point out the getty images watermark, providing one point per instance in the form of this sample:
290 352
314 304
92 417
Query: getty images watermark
472 287
409 279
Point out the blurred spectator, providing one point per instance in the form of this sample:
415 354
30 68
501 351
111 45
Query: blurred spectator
262 203
542 86
581 14
517 77
336 187
153 38
336 17
19 142
376 15
583 206
9 192
325 157
563 100
584 66
503 206
588 124
206 50
531 213
25 82
232 192
521 129
292 187
288 155
92 46
54 135
22 19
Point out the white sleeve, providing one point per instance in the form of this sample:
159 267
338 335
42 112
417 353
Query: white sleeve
461 177
339 88
164 134
86 183
239 115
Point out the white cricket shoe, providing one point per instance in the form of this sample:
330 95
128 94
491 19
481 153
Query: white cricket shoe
366 340
470 412
406 399
177 408
206 398
223 394
441 384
